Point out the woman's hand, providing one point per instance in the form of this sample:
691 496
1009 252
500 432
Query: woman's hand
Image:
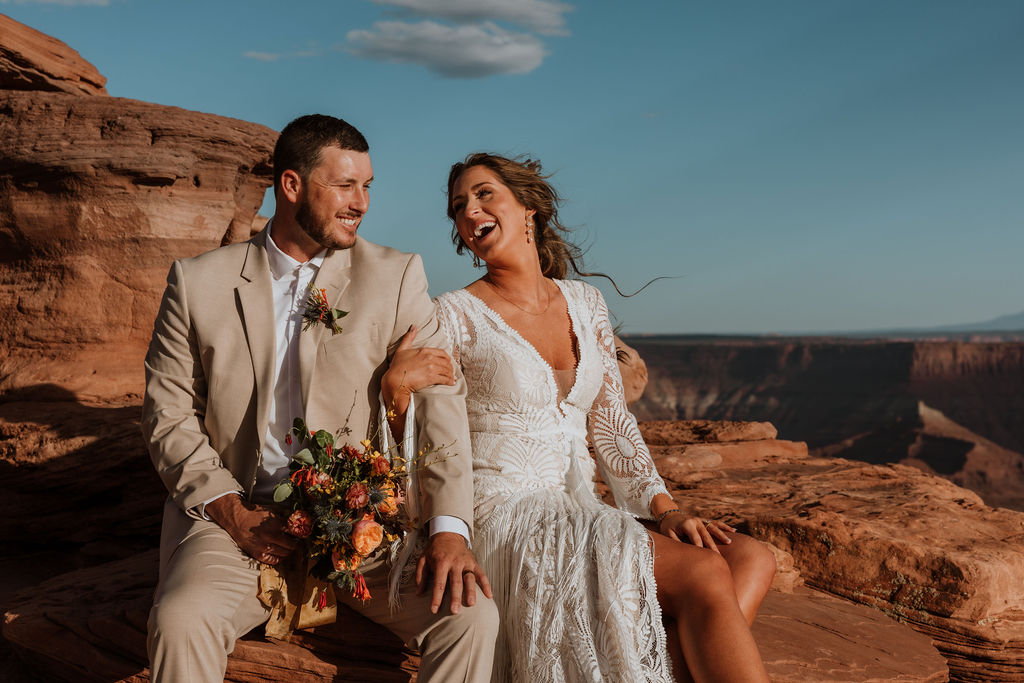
413 369
700 532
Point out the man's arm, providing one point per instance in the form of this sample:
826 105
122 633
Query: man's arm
174 406
446 484
173 412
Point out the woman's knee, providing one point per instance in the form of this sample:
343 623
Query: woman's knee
700 576
750 558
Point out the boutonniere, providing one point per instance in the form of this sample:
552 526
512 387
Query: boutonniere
318 312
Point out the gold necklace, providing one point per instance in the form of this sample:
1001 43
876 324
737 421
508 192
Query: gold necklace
498 292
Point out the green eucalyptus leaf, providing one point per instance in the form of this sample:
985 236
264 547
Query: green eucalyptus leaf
282 491
305 456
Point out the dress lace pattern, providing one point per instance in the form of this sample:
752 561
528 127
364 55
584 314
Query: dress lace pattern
573 577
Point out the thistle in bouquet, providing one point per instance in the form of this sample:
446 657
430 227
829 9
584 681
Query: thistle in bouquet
345 504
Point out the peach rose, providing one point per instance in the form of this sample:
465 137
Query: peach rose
389 506
323 479
300 524
366 536
357 496
342 563
380 465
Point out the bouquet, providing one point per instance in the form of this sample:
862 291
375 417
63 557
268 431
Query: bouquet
345 504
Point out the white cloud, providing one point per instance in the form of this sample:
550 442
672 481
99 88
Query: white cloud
469 51
543 16
262 56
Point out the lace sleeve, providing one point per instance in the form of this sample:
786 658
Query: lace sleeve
623 459
451 327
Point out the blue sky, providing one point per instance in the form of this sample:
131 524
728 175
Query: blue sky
803 166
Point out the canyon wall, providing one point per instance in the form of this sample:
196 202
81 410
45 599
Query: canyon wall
951 408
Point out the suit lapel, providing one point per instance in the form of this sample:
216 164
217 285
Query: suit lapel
333 277
256 298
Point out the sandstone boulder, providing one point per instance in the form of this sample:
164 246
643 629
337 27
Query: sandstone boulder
98 195
893 537
30 60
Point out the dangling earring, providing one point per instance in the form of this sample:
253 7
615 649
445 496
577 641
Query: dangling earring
476 261
529 229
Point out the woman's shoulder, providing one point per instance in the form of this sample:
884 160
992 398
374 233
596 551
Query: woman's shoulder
584 293
452 303
449 299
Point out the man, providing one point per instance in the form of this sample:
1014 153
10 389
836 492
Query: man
227 371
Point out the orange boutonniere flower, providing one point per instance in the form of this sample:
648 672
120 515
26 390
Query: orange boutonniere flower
319 312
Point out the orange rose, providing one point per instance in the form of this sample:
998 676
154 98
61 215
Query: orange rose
366 536
380 465
389 506
342 563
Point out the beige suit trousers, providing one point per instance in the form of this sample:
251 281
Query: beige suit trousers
207 599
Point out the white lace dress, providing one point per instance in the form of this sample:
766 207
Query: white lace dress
573 577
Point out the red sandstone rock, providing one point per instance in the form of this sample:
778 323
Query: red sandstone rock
892 537
90 625
98 195
810 636
30 60
663 432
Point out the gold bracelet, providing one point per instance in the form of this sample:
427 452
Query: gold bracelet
665 513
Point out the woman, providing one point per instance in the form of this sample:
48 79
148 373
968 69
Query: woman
583 588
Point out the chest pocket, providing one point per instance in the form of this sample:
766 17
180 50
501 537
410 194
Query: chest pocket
361 348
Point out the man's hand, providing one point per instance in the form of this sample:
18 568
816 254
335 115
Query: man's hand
450 561
257 531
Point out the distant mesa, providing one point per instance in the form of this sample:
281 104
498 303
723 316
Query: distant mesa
1004 323
1003 328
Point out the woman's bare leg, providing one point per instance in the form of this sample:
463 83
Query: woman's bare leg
675 651
752 567
695 588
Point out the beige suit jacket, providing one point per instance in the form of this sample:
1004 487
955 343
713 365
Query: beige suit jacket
210 365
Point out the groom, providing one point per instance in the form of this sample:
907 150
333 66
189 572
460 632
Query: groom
227 371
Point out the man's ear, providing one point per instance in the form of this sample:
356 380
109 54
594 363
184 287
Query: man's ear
291 186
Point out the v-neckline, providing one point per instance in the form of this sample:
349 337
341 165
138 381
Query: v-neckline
514 333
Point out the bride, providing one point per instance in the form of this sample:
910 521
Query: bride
586 592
